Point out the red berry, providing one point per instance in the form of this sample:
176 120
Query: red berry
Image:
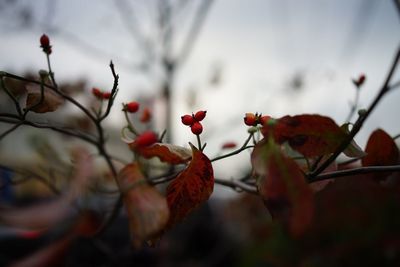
200 115
106 95
187 120
196 128
97 93
44 41
132 107
146 115
145 139
251 119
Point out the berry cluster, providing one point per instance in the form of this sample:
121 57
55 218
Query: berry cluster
45 44
252 119
194 121
100 94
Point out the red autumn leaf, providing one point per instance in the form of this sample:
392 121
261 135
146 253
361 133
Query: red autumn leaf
283 187
381 150
167 153
192 187
50 102
47 214
146 208
310 135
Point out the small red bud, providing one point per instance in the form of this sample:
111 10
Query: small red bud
44 41
360 81
196 128
200 115
97 93
146 115
228 145
132 107
145 139
250 119
106 95
187 120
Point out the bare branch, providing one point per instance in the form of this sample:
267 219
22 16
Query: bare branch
114 91
237 185
12 129
66 131
355 171
237 151
360 121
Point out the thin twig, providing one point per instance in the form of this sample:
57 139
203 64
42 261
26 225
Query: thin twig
51 73
114 91
12 129
237 185
354 104
66 131
38 103
237 151
63 95
355 171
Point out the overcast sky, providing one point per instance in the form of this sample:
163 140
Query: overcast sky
261 47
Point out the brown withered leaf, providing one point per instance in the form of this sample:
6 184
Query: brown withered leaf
191 187
146 208
50 102
282 186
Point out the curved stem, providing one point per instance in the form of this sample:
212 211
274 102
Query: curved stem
51 73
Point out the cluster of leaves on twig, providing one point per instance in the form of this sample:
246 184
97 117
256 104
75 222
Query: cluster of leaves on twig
293 162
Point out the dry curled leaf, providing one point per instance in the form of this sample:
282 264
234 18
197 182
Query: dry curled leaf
50 101
191 187
146 208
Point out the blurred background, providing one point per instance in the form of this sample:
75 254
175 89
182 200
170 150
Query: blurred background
228 57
